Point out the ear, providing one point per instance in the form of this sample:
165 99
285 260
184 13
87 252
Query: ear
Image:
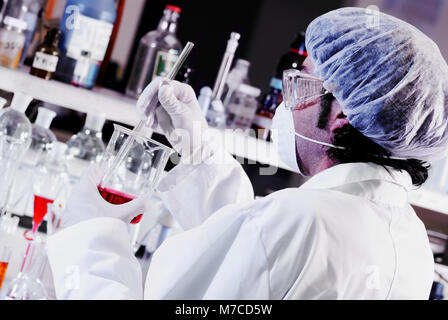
337 118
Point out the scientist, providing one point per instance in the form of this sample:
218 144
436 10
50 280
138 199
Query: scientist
361 119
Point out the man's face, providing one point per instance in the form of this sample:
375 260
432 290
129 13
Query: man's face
306 123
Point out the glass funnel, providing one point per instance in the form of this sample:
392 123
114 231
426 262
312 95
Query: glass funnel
134 172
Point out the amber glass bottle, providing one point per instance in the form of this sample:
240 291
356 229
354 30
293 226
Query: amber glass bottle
47 56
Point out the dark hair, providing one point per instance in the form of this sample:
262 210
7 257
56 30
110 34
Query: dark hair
359 148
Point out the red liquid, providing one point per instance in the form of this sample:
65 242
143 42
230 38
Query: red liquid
3 268
117 197
40 210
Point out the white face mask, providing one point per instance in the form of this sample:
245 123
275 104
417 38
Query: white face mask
284 136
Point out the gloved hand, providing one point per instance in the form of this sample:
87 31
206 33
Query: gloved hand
178 115
85 202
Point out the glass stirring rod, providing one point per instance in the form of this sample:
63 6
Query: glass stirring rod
152 106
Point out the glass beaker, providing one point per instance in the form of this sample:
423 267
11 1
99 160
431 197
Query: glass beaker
134 172
5 256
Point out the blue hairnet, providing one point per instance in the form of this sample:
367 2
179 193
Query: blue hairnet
389 78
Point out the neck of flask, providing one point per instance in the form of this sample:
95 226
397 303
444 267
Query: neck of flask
34 262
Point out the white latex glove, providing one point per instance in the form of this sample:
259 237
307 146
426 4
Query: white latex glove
178 115
85 202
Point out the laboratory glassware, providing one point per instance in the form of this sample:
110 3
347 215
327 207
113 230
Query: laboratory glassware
157 52
47 55
86 28
51 180
15 139
12 40
216 113
152 105
32 10
5 257
28 284
42 139
138 172
262 121
238 75
300 89
88 143
242 107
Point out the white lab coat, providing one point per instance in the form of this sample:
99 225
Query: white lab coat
347 233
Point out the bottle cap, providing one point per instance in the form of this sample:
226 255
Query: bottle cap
21 101
276 84
95 121
249 90
173 8
16 23
45 117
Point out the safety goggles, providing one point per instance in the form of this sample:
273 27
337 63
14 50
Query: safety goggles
300 90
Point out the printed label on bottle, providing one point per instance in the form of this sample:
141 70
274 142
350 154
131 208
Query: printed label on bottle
91 36
10 51
47 62
164 63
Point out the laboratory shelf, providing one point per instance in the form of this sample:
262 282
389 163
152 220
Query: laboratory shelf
119 108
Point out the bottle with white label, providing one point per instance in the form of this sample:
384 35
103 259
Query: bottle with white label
86 28
157 53
47 56
12 40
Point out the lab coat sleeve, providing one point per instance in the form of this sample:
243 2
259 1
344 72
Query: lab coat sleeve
93 260
192 192
223 258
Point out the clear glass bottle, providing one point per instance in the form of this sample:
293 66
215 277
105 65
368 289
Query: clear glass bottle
51 181
33 10
12 40
42 139
15 139
157 52
242 107
88 143
28 284
238 75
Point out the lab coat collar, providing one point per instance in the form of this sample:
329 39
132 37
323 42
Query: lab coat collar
391 185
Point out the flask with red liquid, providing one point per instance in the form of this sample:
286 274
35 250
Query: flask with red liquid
134 173
51 180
